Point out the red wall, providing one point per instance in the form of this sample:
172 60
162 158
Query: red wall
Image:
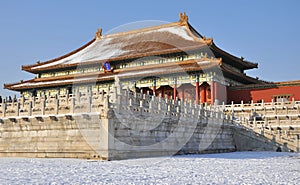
265 94
219 92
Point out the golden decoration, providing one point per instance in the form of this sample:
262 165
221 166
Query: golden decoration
183 18
98 33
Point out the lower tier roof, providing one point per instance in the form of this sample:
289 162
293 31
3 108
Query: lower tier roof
195 65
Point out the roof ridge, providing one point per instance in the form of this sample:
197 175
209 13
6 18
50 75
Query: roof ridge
183 21
139 30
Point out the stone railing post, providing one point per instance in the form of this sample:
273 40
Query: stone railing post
151 104
30 108
106 102
159 104
3 108
211 111
178 109
222 114
185 104
18 108
266 121
89 106
232 106
22 99
205 112
223 106
77 96
102 95
141 105
169 109
216 113
68 94
33 101
106 107
72 106
262 131
43 105
126 96
56 104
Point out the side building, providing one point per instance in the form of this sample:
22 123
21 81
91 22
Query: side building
276 91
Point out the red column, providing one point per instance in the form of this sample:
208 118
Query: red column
197 92
174 91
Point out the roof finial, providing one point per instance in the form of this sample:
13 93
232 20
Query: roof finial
208 41
98 33
183 18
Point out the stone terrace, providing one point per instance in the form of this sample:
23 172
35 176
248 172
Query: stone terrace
278 121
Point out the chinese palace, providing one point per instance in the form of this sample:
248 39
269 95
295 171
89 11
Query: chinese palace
154 91
171 60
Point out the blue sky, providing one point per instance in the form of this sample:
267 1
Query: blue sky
265 31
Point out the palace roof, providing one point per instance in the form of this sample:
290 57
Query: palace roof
176 37
166 38
163 39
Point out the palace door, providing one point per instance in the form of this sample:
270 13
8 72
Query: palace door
205 93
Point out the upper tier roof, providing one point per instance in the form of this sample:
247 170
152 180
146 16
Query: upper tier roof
163 39
160 39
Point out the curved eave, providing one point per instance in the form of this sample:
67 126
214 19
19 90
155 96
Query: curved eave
11 85
192 29
238 62
168 68
243 78
28 68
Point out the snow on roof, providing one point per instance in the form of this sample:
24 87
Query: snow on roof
124 44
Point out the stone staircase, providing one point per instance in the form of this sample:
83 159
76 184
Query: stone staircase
276 121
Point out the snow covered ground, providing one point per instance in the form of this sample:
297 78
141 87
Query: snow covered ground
226 168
